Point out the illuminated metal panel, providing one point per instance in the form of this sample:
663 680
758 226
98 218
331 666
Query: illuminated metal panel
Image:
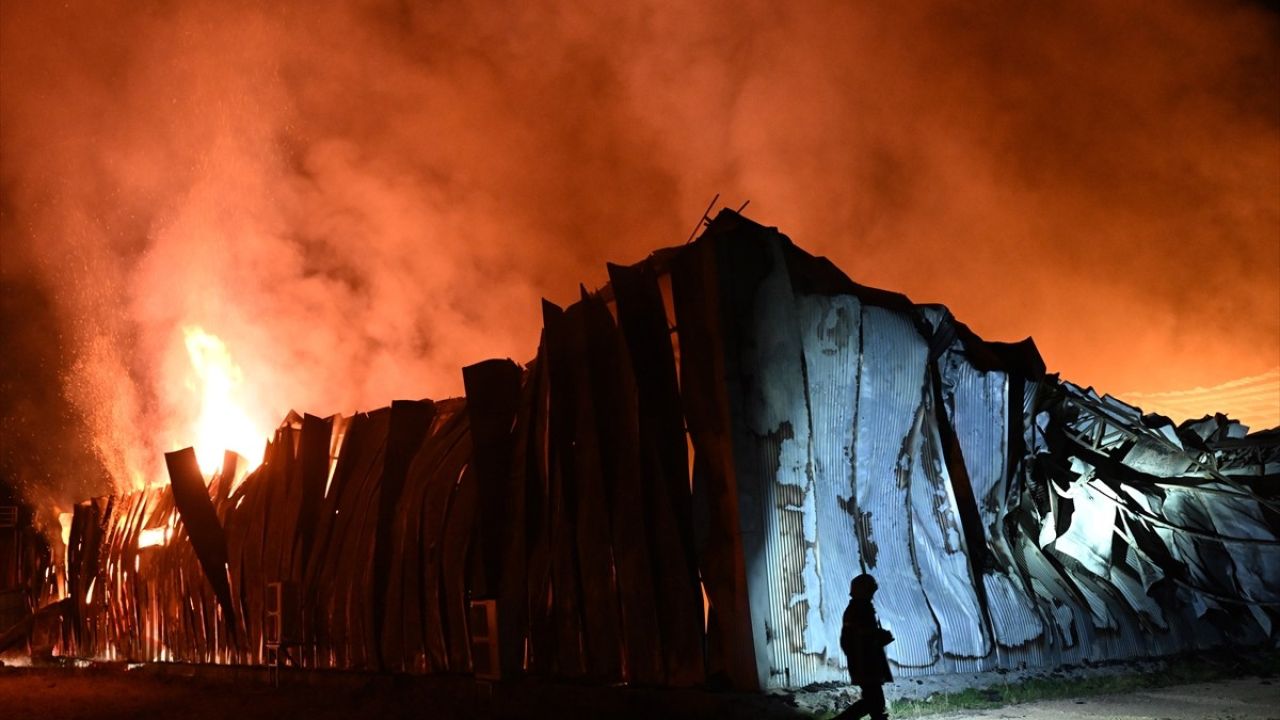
941 557
979 405
831 335
890 412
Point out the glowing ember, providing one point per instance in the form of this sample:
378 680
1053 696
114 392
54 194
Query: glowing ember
152 537
222 423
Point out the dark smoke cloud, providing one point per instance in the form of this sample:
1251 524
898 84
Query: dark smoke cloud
361 197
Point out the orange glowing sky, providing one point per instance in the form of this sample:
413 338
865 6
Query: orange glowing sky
360 197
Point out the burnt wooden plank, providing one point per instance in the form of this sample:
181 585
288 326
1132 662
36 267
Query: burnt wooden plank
695 285
667 498
201 520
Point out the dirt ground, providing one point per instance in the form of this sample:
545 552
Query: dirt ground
97 693
1241 699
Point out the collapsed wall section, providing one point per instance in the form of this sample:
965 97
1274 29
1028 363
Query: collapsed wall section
1011 520
678 489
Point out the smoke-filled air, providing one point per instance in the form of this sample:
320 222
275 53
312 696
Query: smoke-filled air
215 212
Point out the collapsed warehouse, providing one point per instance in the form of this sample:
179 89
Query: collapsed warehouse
677 490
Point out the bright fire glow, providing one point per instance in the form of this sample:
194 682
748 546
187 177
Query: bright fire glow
152 537
222 423
64 521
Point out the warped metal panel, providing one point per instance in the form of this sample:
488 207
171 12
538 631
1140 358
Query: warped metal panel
1089 538
940 553
587 500
664 471
439 466
831 335
1257 564
409 422
890 407
201 521
513 590
771 426
730 642
567 621
979 406
455 544
617 421
1158 459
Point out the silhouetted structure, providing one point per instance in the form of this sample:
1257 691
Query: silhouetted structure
731 417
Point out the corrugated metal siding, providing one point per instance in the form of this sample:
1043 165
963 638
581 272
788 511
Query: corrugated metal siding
940 553
831 336
890 411
1257 564
771 453
979 404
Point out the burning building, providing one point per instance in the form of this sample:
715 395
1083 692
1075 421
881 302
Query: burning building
676 491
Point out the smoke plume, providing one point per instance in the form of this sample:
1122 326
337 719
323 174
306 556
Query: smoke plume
358 198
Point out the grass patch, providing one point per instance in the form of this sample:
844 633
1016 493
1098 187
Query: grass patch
1176 671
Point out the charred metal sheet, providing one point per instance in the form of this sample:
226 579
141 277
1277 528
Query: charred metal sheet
201 522
439 473
613 390
891 415
831 334
664 471
978 404
408 423
313 465
493 398
512 591
764 372
730 646
494 402
941 554
437 457
538 509
581 449
455 543
342 583
565 595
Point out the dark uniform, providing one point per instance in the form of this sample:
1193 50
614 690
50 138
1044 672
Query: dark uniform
863 641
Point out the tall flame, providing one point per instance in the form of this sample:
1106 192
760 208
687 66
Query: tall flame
222 423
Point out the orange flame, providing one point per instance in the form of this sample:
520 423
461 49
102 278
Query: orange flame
222 424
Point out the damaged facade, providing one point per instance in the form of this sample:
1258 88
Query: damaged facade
677 491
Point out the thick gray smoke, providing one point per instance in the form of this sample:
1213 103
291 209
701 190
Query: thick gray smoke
358 198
